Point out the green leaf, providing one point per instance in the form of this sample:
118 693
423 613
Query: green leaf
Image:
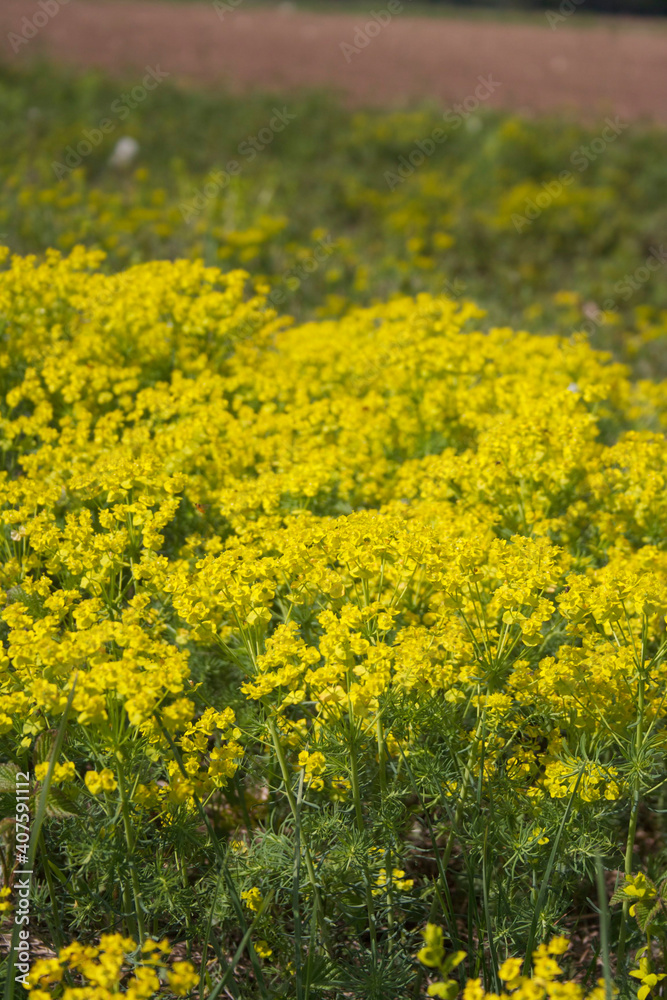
8 774
56 871
43 747
7 828
642 913
59 804
446 990
619 895
653 912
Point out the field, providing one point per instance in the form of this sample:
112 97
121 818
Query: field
334 581
542 62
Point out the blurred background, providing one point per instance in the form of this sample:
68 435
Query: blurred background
655 7
513 153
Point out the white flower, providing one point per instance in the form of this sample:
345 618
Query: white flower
124 152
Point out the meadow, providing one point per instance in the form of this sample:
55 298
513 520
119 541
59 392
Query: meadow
334 578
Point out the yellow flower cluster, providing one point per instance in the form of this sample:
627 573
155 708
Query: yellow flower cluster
479 493
544 981
116 966
386 512
252 898
397 879
102 781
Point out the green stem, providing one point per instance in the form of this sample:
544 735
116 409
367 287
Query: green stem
381 757
296 911
460 805
356 793
604 929
537 911
632 828
240 792
629 848
182 866
359 814
57 926
387 856
310 868
129 840
487 917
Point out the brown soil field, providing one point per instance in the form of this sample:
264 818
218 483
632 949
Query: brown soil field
603 67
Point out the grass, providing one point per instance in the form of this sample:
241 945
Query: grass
456 223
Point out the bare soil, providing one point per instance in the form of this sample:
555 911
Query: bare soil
608 67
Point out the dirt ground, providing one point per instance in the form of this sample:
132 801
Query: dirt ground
607 67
